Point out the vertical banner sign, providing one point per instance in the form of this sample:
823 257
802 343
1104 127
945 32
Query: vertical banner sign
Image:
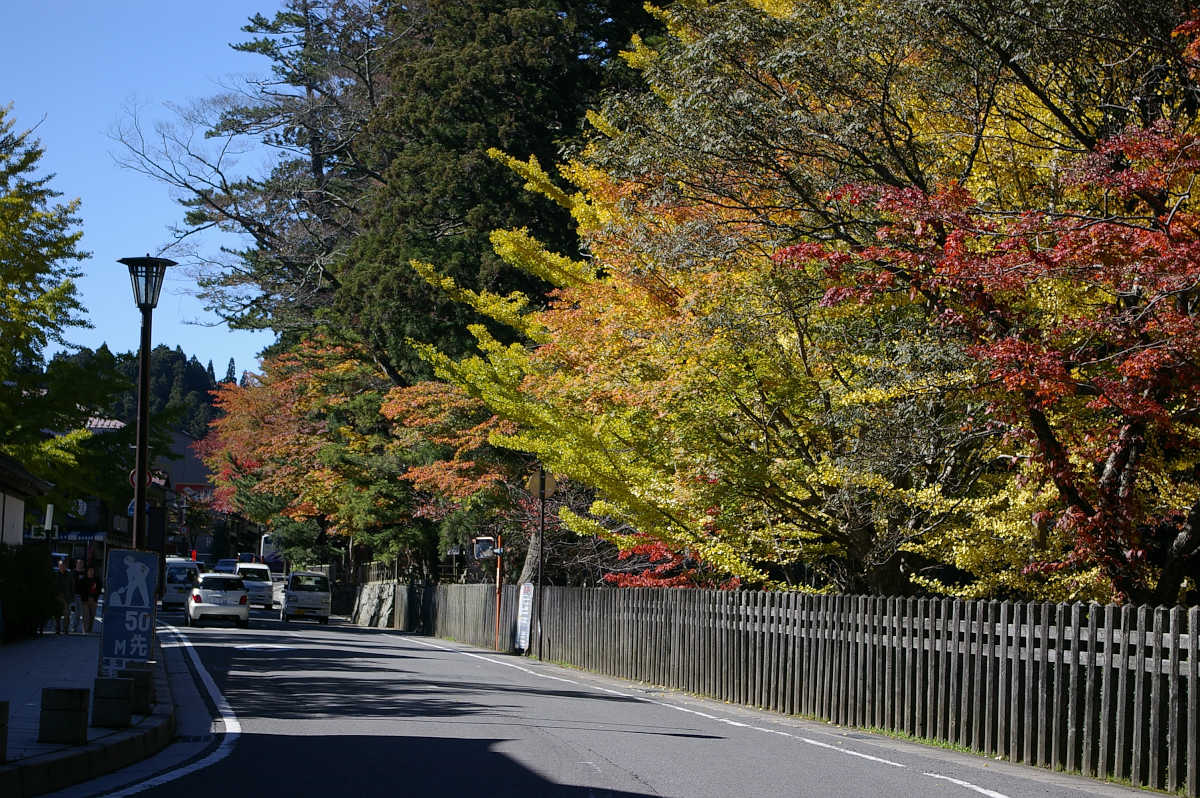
524 614
130 587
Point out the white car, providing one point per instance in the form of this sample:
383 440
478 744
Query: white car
181 576
258 583
306 595
219 596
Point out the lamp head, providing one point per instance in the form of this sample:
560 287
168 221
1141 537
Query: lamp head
147 276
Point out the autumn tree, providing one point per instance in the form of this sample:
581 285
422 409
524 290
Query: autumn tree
1083 325
305 441
470 487
702 387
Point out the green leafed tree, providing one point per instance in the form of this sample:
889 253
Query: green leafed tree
469 76
305 119
38 301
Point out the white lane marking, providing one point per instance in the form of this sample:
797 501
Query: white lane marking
968 785
264 647
965 784
226 717
706 715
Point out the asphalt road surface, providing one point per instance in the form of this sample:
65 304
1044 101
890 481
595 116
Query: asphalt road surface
290 710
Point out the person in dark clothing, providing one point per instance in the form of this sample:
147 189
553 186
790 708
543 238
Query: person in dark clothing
87 588
64 594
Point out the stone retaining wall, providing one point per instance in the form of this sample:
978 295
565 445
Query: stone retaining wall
374 605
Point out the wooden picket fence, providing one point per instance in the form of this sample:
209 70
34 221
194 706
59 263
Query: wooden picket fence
1107 691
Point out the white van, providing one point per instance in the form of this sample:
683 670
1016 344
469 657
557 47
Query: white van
306 595
257 577
180 575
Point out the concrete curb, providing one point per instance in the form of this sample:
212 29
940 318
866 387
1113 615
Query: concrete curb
59 769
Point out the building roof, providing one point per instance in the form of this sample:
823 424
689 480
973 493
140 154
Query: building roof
16 479
99 424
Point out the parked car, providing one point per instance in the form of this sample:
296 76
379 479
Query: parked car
258 583
219 596
181 576
226 566
306 595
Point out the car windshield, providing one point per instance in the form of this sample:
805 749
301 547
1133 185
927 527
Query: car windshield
310 584
255 575
221 583
179 576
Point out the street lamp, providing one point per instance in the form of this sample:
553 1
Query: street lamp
147 276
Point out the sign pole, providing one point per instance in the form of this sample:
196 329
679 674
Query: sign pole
498 550
541 550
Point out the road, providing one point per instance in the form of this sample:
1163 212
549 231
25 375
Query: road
299 709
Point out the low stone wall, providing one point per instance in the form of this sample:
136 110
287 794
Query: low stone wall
375 605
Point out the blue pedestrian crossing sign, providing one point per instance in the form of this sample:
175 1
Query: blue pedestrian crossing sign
130 588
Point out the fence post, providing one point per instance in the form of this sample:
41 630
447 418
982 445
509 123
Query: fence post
991 696
922 666
1155 675
1137 770
1173 705
1104 759
1089 695
1004 685
1063 666
1043 731
1192 751
966 679
1023 669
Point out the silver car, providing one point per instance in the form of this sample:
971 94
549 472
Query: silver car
181 576
218 596
306 595
258 583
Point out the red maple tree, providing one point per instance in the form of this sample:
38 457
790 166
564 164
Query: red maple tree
1086 325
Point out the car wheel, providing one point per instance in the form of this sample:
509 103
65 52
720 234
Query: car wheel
243 624
187 618
324 620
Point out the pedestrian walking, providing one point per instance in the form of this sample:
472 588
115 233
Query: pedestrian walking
88 591
64 594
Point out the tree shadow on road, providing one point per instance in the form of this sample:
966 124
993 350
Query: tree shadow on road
368 765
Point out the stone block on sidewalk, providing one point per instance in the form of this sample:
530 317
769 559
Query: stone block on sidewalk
143 688
112 702
64 716
3 732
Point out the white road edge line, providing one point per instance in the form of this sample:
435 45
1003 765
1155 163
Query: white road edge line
965 784
226 715
968 785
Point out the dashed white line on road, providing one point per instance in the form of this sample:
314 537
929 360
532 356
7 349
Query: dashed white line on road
968 785
709 716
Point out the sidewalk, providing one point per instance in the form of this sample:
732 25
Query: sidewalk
52 660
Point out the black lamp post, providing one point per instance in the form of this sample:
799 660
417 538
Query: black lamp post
147 275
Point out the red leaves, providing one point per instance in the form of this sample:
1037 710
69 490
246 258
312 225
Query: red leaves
1085 325
651 563
1027 367
1139 161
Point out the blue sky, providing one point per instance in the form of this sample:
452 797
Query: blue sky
71 67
